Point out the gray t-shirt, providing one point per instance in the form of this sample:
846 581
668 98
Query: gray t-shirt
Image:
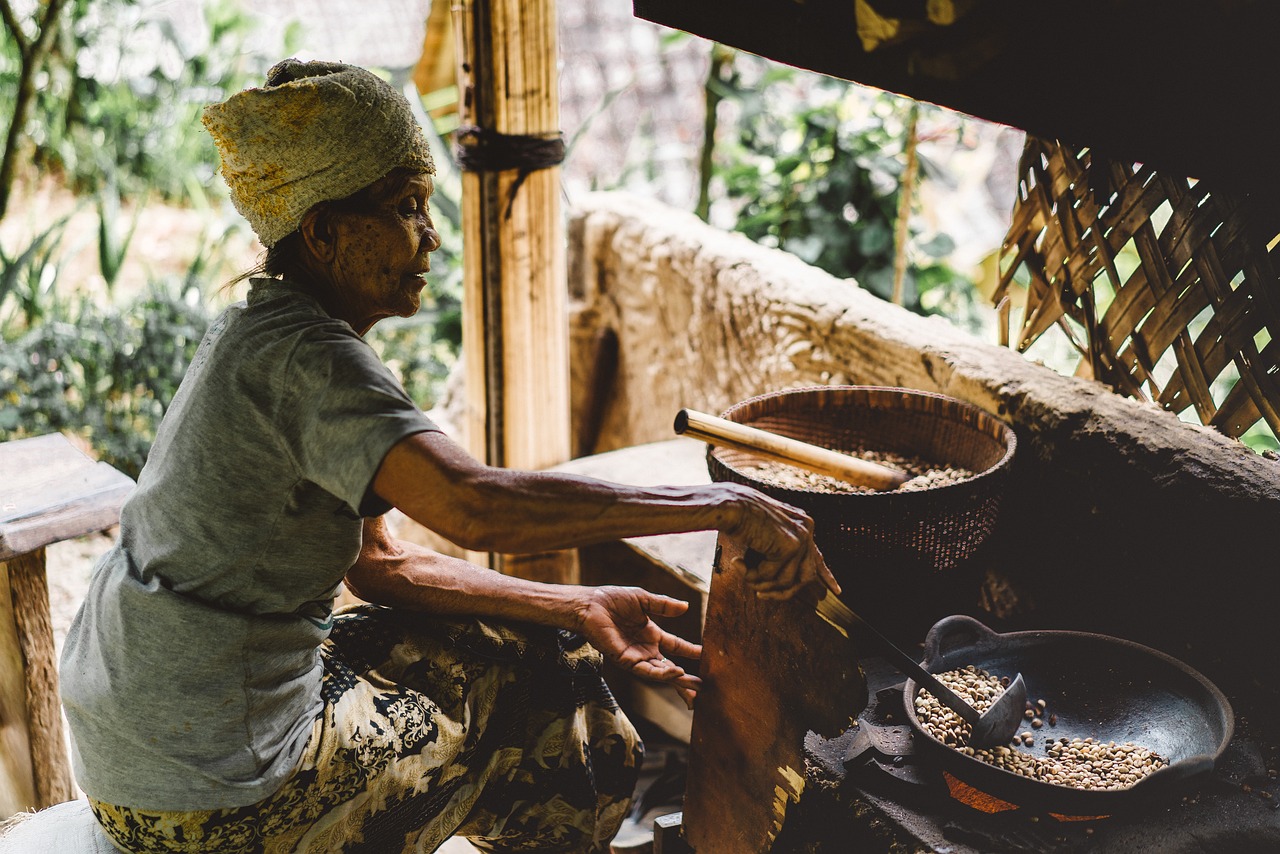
191 675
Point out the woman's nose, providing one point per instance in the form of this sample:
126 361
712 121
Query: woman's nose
432 238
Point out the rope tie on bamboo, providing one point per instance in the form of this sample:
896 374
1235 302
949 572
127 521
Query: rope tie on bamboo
482 150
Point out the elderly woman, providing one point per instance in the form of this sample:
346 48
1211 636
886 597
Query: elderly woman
216 701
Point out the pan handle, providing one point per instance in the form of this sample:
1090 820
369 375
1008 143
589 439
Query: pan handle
954 632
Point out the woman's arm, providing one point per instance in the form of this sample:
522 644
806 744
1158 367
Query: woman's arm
615 620
439 485
392 572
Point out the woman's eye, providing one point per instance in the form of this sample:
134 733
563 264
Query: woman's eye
409 206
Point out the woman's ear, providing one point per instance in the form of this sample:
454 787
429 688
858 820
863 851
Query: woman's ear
319 234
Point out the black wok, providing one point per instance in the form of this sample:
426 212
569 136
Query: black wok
1097 686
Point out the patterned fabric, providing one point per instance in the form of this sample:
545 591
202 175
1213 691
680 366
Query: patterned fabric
432 728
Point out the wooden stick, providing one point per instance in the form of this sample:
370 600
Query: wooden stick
730 434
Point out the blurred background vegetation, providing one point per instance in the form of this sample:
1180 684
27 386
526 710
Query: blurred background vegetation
116 234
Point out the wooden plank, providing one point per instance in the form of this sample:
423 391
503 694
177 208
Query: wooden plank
679 461
30 593
661 707
17 779
772 671
51 491
73 506
686 556
27 463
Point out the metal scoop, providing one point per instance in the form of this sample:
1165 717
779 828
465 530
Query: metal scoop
996 725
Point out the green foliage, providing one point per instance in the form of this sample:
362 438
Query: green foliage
105 374
113 245
28 281
817 171
124 92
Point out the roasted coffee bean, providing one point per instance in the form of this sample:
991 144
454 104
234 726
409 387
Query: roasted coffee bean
1081 763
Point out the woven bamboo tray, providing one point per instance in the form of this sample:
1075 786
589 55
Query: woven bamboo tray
886 545
1168 288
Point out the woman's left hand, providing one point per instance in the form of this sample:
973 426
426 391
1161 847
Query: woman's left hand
617 621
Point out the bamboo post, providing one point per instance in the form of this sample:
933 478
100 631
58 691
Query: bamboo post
902 232
515 324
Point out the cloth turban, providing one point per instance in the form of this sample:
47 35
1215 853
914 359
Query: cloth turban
318 131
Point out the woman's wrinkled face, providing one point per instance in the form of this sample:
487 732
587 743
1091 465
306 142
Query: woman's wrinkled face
383 249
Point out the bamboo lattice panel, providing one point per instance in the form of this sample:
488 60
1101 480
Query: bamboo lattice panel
1169 291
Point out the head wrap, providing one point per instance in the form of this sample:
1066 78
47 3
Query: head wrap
317 131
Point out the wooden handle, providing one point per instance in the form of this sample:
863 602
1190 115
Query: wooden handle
730 434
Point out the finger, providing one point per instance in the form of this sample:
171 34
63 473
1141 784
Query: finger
780 594
659 670
676 645
825 575
687 695
664 606
764 573
828 579
789 578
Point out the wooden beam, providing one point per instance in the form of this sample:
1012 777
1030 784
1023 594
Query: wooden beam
30 590
515 300
17 779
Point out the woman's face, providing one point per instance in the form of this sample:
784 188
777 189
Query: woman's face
383 251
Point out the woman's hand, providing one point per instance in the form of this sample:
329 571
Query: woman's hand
617 622
783 559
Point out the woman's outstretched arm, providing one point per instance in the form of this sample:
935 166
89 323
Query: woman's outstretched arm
439 485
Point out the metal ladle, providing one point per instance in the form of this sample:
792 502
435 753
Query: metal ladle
997 725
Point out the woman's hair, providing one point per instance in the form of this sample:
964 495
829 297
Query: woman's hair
285 256
275 263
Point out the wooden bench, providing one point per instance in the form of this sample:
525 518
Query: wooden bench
49 491
676 565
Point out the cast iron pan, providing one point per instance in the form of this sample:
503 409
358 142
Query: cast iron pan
1098 686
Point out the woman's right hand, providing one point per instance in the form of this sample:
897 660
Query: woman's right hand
783 559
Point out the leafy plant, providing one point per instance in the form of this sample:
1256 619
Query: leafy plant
112 107
26 52
106 375
815 165
28 281
113 245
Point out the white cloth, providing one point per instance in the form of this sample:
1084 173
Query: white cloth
68 828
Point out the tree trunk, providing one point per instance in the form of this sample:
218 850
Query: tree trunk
32 55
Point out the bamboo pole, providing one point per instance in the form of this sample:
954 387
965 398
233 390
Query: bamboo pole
515 321
784 449
902 232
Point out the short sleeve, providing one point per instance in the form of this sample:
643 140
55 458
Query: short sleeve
343 411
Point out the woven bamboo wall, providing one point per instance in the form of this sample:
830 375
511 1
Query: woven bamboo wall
1168 289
